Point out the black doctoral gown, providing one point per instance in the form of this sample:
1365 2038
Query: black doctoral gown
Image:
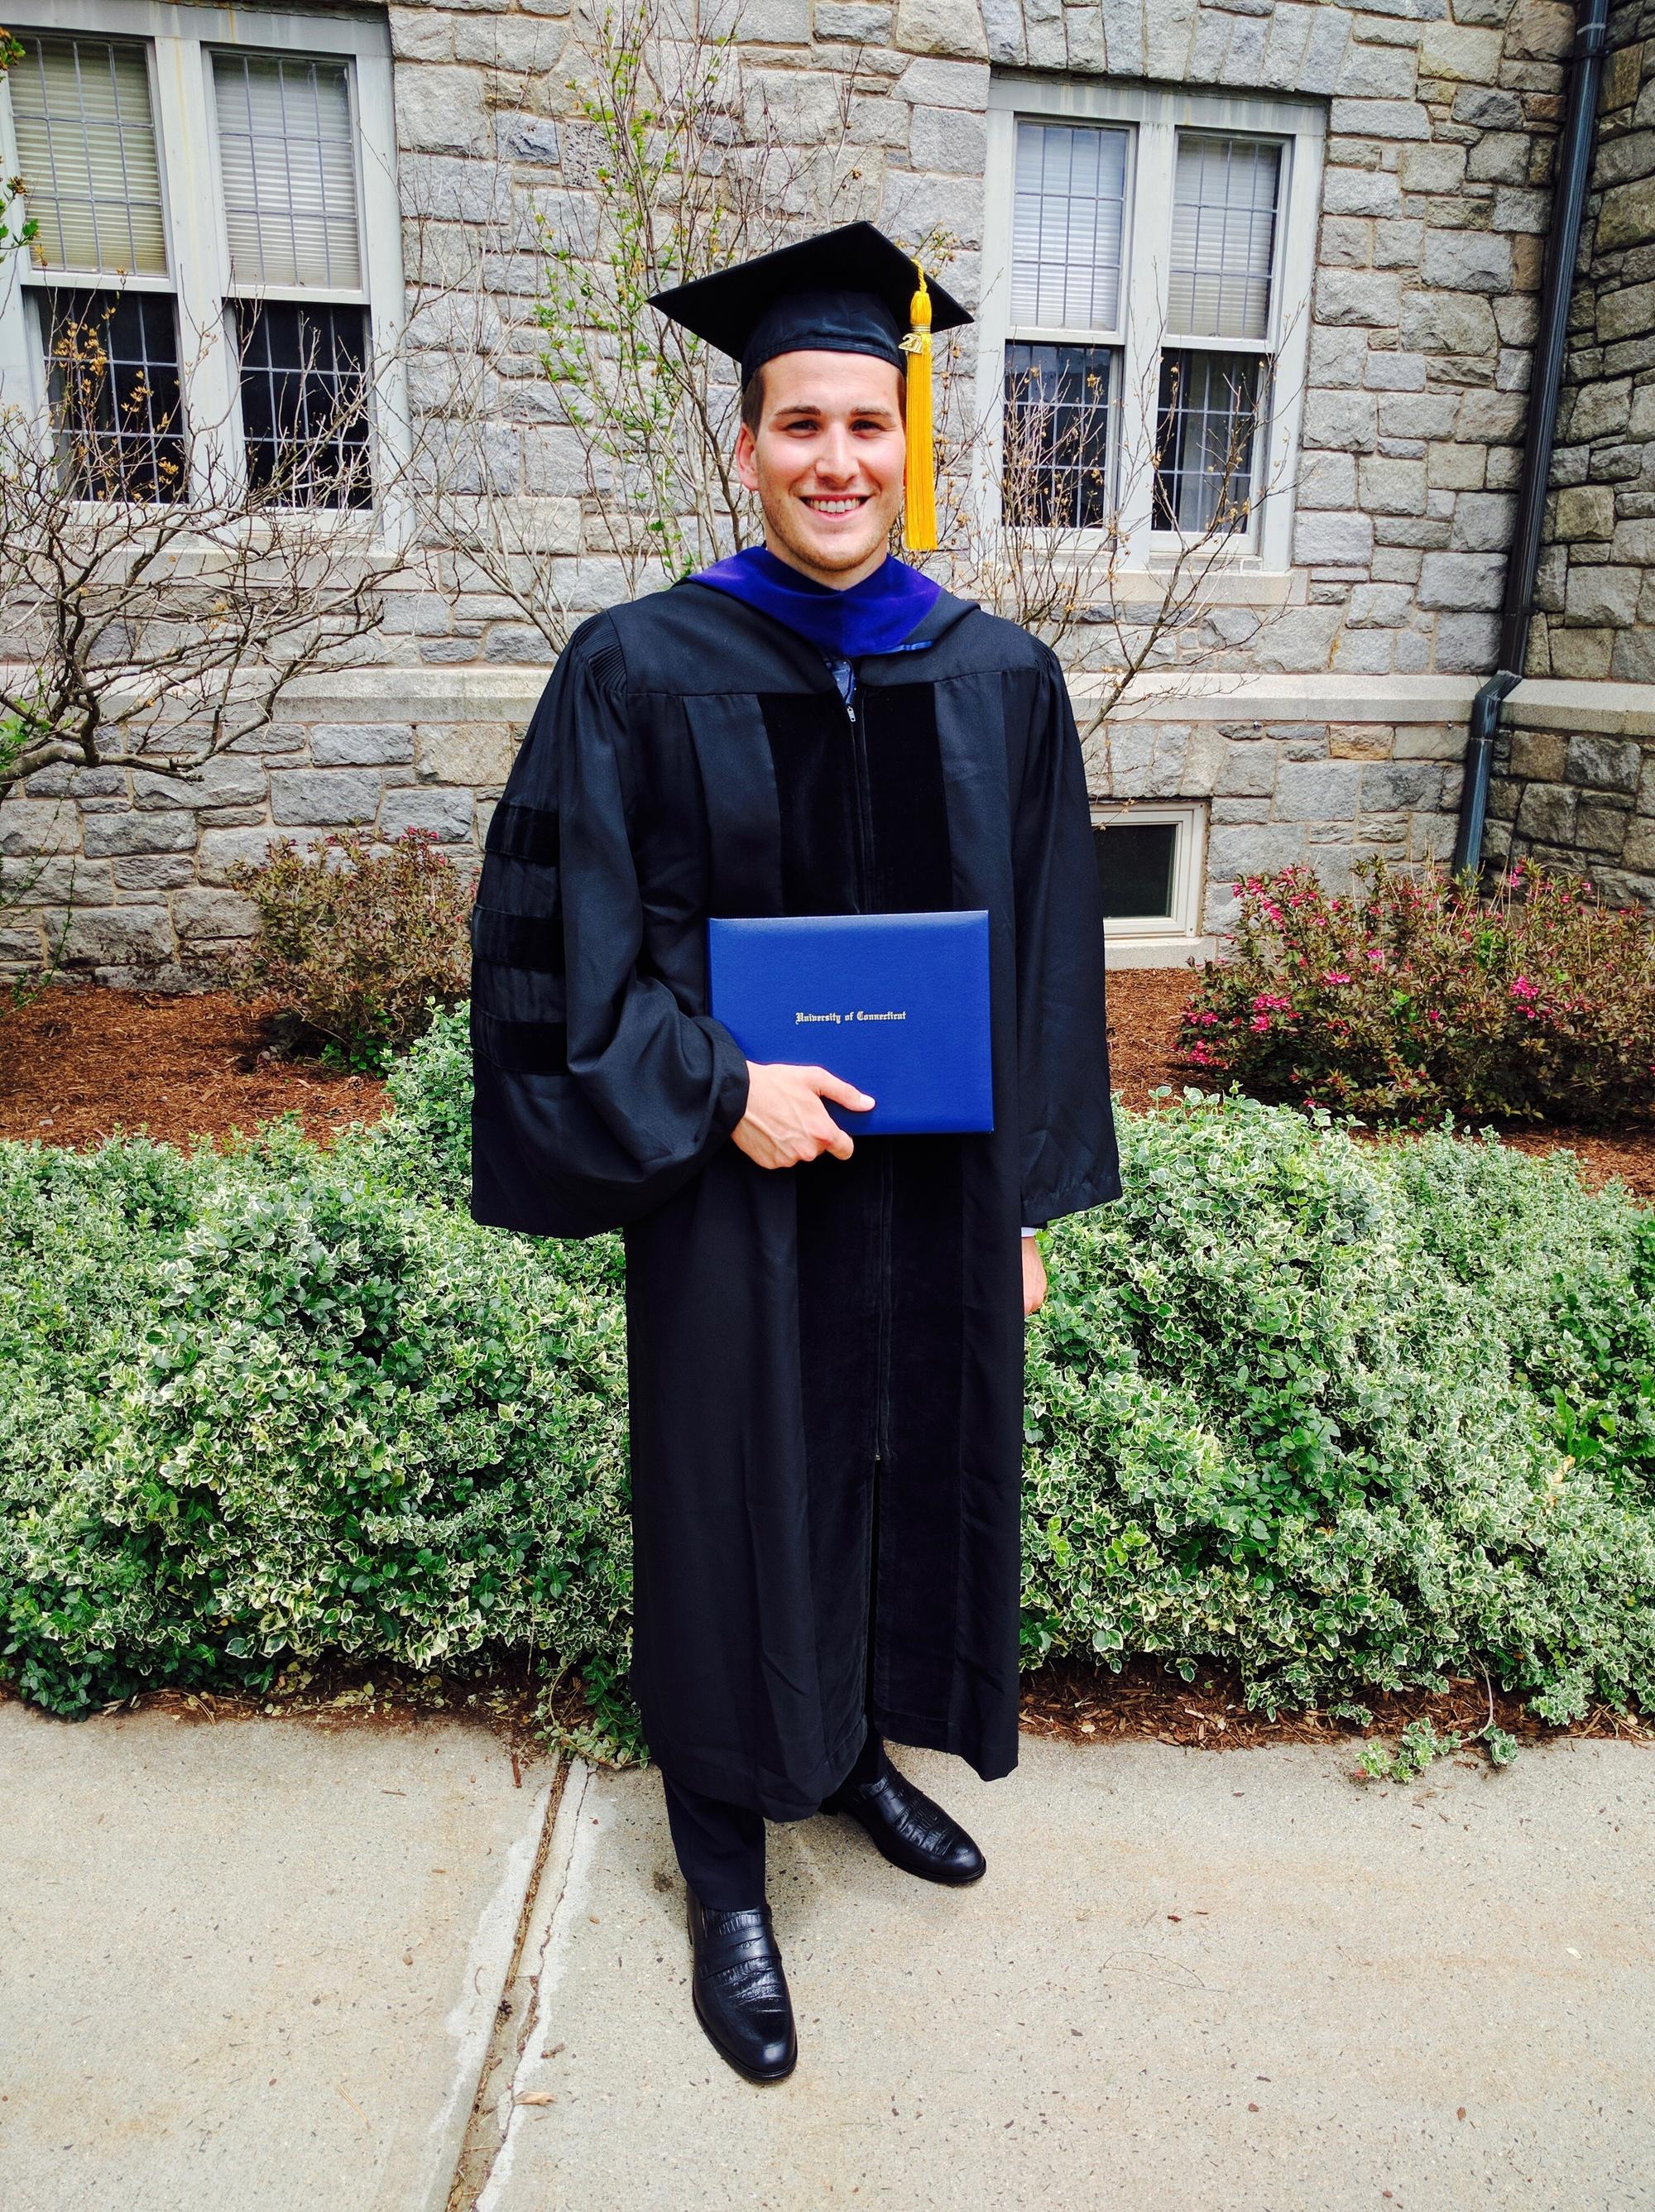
825 1361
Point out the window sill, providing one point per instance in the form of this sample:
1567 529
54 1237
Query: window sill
1224 583
1123 950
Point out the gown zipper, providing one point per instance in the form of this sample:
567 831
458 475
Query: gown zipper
882 1363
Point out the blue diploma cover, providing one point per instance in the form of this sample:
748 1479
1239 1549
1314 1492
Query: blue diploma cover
897 1004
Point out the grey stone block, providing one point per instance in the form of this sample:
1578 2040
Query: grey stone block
1547 813
518 645
1360 191
1333 538
1364 652
447 813
362 745
933 83
1380 118
1327 480
1528 213
37 826
1600 410
851 21
311 798
271 738
943 26
1391 487
1378 606
1605 595
1634 540
1435 168
138 833
950 140
1317 791
227 780
1585 511
1631 659
1482 522
1234 850
1467 644
1606 763
1246 770
1601 831
1369 297
532 138
1466 261
1400 787
153 872
1345 422
203 915
1449 322
440 110
224 849
121 936
1483 107
1395 371
1459 581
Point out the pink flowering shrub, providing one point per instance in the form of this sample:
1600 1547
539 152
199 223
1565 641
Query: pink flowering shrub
1417 996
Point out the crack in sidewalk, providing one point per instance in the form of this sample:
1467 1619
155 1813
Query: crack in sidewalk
515 2050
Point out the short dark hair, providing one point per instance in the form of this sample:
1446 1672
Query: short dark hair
752 398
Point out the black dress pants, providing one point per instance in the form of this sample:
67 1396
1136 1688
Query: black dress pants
721 1847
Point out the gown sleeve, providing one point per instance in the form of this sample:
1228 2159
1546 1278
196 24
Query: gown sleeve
595 1094
1066 1126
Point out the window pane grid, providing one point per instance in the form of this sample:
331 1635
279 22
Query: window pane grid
116 413
304 402
85 146
1207 433
287 157
1058 436
1067 226
1224 198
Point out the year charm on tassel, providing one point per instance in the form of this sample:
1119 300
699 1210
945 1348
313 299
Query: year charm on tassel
919 528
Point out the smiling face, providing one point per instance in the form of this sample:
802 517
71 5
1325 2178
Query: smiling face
826 462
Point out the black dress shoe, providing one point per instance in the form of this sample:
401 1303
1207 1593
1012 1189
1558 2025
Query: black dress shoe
909 1828
740 1992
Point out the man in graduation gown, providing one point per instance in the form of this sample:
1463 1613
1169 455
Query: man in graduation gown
824 1333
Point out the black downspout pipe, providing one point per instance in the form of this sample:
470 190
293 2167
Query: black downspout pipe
1523 562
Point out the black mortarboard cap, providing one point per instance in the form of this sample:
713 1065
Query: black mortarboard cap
848 290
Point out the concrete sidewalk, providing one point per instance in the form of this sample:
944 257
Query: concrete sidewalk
257 1967
1191 1982
251 1966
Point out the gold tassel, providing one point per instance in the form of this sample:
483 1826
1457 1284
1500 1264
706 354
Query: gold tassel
919 527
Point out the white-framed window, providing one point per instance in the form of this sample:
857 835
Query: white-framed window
217 230
1150 867
1147 263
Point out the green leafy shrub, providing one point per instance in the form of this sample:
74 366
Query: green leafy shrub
354 942
1344 1416
1417 998
267 1406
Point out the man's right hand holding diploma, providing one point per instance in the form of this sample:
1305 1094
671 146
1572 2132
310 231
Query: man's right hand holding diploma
786 1122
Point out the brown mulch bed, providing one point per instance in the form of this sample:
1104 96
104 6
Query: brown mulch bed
77 1064
1064 1700
1090 1705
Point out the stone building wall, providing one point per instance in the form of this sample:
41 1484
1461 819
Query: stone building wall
1328 720
1579 798
1595 594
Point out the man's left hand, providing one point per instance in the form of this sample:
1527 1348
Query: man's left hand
1034 1276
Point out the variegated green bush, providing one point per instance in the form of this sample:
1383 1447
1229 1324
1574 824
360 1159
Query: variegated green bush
1339 1414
